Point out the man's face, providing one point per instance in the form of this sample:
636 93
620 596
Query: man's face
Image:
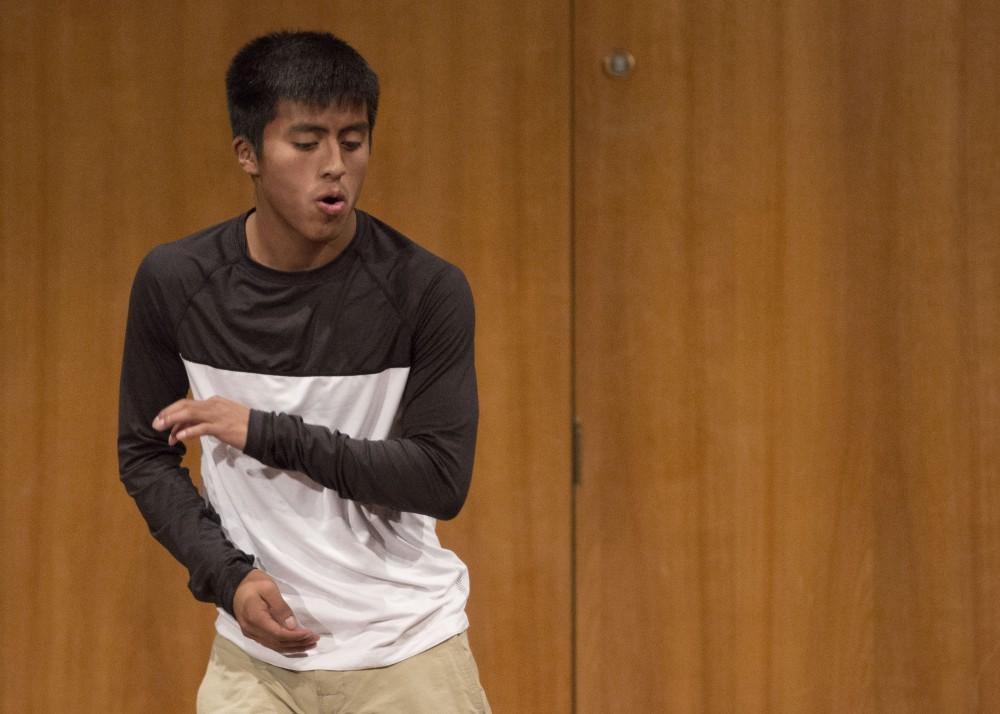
313 167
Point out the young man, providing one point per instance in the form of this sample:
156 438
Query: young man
330 363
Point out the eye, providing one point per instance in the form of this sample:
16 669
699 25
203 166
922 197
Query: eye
307 146
351 145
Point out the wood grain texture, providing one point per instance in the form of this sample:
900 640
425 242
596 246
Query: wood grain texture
787 294
481 174
788 300
113 118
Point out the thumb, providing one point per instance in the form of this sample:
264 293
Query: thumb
279 609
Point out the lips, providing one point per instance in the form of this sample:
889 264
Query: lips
332 204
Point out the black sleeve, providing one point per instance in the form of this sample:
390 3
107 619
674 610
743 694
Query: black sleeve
427 466
152 377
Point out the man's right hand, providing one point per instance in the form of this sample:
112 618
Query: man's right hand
265 617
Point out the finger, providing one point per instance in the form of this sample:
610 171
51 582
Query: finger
259 625
261 619
284 649
291 649
269 633
280 645
185 410
187 430
282 614
278 608
175 430
170 415
174 406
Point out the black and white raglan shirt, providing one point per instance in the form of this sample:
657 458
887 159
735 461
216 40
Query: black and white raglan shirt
361 382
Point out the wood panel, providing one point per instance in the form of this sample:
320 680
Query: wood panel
787 289
113 120
481 172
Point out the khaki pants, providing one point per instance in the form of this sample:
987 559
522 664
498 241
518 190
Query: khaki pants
442 680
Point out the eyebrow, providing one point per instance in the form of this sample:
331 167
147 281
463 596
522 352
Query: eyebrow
305 127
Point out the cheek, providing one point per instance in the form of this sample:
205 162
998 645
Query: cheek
290 180
359 171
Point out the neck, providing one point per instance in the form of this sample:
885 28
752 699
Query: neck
274 244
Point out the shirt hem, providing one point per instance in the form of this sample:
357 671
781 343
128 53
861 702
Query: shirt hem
227 627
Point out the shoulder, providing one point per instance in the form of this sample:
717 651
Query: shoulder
183 264
412 274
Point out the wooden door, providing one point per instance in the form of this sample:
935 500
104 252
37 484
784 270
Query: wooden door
787 290
113 123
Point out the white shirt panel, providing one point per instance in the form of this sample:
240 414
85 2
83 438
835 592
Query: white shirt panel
374 583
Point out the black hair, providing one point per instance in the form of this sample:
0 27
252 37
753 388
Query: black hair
314 68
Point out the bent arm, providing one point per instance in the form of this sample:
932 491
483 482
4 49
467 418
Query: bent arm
150 468
426 467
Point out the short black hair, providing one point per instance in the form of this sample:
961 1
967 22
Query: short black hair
314 68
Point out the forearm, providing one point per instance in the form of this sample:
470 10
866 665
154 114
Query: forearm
425 465
150 468
424 473
188 527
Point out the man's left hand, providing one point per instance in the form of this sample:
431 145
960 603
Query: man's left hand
187 419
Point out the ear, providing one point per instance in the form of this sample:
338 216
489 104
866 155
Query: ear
246 156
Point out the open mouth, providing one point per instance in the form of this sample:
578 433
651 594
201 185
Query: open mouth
331 204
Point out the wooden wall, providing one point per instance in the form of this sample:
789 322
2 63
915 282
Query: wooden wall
113 119
764 270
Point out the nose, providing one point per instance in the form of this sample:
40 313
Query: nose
332 166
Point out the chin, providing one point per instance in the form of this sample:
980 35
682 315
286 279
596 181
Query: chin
324 236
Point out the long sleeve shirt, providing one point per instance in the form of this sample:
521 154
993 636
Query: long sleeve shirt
360 377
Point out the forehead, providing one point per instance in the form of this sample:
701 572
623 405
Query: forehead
290 115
